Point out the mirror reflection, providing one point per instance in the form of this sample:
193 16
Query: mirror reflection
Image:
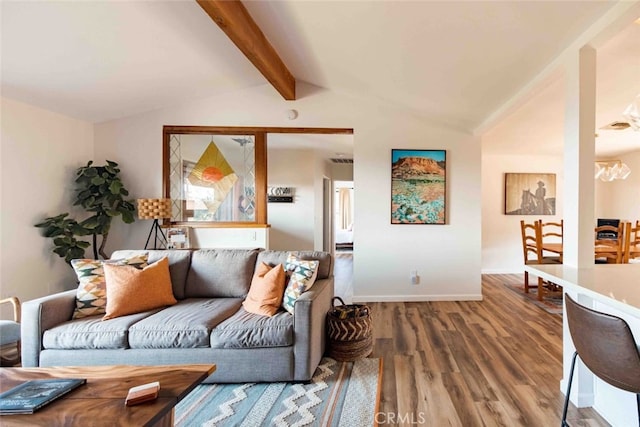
212 178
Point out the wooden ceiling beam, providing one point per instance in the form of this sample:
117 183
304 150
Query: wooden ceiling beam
232 17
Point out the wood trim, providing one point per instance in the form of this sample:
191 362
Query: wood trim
260 157
261 177
234 19
166 191
241 130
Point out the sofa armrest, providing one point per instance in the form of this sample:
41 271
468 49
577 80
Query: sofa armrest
310 311
41 314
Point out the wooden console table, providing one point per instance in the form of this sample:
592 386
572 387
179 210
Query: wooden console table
100 402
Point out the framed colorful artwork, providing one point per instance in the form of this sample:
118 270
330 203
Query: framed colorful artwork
530 194
418 186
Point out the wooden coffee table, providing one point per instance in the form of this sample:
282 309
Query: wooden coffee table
100 402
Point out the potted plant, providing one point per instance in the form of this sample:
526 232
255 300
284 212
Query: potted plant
101 192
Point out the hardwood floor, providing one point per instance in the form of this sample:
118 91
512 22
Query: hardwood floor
496 362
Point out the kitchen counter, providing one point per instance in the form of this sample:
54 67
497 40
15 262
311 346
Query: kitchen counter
613 289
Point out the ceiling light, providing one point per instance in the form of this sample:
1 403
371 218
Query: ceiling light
610 170
632 113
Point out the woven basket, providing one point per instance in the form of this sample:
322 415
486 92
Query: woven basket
349 331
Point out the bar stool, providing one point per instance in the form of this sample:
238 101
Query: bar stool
606 346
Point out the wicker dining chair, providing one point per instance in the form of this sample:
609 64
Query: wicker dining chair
532 252
609 244
631 242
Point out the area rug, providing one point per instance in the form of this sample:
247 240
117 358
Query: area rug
551 304
339 394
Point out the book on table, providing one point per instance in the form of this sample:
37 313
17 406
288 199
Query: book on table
30 396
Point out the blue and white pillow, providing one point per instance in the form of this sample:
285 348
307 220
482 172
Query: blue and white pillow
302 275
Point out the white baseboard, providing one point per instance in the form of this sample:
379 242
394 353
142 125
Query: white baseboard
415 298
581 400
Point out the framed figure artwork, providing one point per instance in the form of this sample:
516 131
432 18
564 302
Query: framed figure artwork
530 194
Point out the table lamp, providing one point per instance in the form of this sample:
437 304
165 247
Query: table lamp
155 209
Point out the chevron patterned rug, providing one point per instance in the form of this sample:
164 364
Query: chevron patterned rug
340 394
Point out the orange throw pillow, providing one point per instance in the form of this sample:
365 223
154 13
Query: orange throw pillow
266 291
130 290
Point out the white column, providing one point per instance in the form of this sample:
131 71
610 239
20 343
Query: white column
579 157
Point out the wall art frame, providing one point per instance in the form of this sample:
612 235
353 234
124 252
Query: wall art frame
418 186
530 194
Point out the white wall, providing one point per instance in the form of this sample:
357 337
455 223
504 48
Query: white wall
342 171
446 256
621 198
40 152
292 224
501 239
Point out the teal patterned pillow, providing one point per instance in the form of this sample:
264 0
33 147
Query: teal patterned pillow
302 276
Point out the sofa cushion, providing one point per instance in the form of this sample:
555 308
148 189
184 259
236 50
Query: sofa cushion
248 330
184 325
325 269
179 261
302 275
219 273
91 296
91 333
267 290
130 290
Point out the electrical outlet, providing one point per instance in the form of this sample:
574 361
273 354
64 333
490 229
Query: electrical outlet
415 279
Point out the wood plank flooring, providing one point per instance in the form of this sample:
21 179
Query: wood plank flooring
496 362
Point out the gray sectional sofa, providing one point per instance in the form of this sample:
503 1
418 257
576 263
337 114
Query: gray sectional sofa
207 325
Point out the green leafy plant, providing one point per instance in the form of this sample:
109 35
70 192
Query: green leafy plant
101 192
63 231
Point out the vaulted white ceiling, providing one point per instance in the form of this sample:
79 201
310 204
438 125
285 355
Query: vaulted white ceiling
539 124
453 62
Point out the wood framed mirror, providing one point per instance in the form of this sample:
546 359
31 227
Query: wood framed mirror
215 176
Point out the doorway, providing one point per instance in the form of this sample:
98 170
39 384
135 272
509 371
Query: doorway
343 202
327 241
343 215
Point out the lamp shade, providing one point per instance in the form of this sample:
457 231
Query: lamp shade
154 208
